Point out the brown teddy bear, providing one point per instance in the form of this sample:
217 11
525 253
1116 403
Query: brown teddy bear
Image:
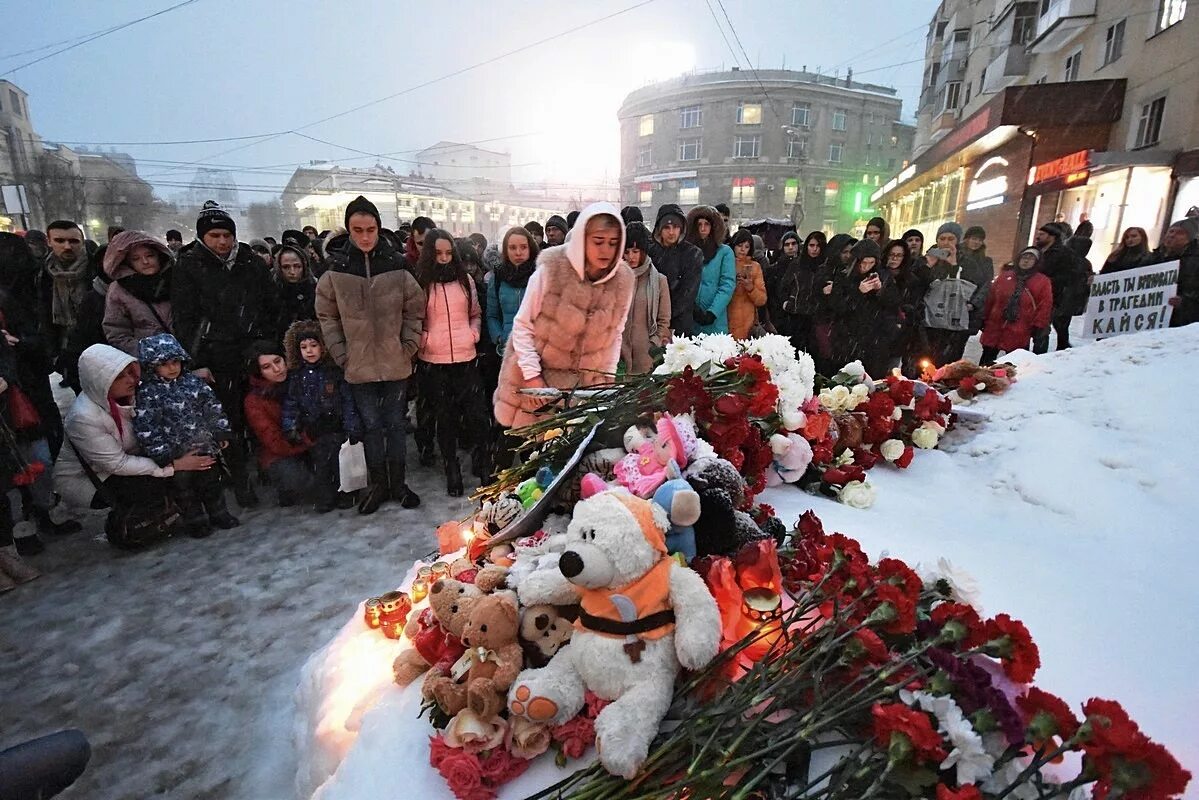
969 379
481 677
436 632
544 629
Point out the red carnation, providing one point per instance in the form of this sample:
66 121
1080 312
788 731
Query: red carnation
967 627
896 609
866 643
897 728
967 792
932 405
1047 715
892 570
1112 732
839 476
686 392
880 405
731 405
593 704
1009 640
764 399
810 525
1125 760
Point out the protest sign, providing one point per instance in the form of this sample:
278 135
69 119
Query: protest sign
1131 301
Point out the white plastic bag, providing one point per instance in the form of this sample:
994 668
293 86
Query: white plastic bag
352 461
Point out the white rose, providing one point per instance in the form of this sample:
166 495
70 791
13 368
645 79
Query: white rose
857 494
794 419
855 370
925 438
841 396
892 450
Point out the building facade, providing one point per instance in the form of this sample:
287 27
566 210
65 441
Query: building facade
1031 110
781 144
20 148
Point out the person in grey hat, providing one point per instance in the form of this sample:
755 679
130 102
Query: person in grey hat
1178 244
555 231
680 262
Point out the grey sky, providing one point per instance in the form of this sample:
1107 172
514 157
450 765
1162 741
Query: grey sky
228 68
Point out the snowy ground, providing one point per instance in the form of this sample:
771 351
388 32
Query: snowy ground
1072 507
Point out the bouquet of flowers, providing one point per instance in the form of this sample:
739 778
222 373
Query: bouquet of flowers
843 678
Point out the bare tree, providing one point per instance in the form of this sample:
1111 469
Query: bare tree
265 218
128 203
56 188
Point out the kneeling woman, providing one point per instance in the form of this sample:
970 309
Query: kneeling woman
567 333
283 460
99 427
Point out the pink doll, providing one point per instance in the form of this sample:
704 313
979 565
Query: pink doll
643 471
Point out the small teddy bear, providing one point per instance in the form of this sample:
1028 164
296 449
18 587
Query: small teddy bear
544 629
480 678
642 616
436 632
682 506
792 455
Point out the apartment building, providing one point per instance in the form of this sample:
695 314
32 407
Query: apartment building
776 143
1046 107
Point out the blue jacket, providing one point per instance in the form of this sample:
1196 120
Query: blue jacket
318 401
716 286
173 418
502 303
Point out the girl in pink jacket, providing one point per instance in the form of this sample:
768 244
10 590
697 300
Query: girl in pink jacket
450 405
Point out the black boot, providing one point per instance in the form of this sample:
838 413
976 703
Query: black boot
346 500
48 526
245 495
480 463
399 489
427 457
453 478
213 498
375 492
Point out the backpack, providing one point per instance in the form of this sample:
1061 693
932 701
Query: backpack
945 303
132 528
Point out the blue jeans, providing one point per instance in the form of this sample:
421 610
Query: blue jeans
383 407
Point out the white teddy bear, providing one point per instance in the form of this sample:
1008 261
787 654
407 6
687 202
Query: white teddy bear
643 615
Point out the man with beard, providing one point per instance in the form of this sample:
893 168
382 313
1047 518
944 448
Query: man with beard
65 281
682 264
222 301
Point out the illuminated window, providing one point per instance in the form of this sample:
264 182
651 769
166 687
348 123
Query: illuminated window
645 194
690 149
747 146
646 126
1170 12
749 113
691 117
840 117
743 190
689 192
790 191
801 114
1149 127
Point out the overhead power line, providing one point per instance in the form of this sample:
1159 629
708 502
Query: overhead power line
98 35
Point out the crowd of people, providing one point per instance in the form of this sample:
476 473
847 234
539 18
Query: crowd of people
220 365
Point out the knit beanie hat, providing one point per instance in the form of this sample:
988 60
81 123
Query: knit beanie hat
910 232
556 222
670 210
360 205
951 227
867 248
1054 230
631 214
213 217
976 231
1032 251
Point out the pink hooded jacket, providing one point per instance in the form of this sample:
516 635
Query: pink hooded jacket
452 323
128 320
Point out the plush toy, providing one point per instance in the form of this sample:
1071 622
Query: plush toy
500 513
721 529
642 617
490 578
535 575
969 379
643 471
436 631
682 506
480 678
792 455
544 629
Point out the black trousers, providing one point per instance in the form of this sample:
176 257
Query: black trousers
228 385
199 493
450 408
326 465
1061 326
41 768
129 491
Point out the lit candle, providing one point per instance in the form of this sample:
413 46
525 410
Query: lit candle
393 613
421 583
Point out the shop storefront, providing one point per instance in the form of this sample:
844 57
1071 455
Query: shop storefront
1186 175
979 172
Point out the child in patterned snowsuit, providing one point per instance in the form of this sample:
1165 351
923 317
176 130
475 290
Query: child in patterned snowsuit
178 413
319 406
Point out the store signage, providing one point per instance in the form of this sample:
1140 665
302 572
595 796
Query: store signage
988 190
664 176
1071 169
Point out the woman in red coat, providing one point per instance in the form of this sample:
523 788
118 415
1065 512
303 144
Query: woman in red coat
1018 308
283 461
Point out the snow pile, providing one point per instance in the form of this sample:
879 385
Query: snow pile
1071 507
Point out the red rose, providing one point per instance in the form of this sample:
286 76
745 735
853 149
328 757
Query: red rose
839 476
897 720
1047 715
1009 640
967 792
816 426
464 776
864 458
501 766
575 736
905 460
731 405
810 525
438 750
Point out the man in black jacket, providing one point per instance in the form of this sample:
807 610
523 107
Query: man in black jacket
681 262
223 300
1059 265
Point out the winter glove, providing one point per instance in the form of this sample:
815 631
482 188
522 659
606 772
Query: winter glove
703 316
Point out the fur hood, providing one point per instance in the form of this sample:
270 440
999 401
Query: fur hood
717 236
117 251
298 332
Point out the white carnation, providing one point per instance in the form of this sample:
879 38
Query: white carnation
857 494
793 418
720 347
963 587
855 370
